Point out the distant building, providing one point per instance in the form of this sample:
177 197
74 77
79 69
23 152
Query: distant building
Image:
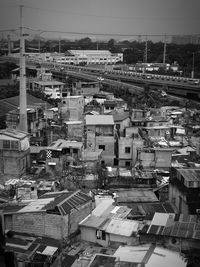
77 57
15 153
85 88
185 39
53 89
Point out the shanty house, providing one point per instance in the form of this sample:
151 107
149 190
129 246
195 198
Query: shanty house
54 214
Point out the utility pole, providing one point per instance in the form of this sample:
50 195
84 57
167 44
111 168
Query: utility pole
164 52
22 97
59 46
9 45
39 45
146 50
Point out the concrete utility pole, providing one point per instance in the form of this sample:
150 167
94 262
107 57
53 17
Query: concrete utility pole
59 47
164 52
146 51
9 45
22 96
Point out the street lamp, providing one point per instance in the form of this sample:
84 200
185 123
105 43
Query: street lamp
192 73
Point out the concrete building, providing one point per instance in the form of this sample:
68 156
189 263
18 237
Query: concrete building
122 121
62 153
85 88
75 130
15 153
100 135
93 57
108 226
71 108
185 39
184 189
54 214
53 89
77 57
127 151
154 157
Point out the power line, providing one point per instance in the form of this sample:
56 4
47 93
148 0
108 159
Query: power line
107 34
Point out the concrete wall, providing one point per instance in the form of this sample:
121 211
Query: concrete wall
163 159
178 199
14 162
123 124
89 234
108 154
77 215
122 144
41 224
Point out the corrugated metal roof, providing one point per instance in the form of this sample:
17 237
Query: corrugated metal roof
63 201
190 174
181 226
99 120
136 195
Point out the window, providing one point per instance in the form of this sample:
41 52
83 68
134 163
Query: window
75 150
6 144
191 184
127 149
101 234
14 144
127 163
102 147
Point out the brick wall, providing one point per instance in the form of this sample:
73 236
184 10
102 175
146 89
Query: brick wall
40 224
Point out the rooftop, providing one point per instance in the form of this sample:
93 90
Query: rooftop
13 134
149 255
62 201
135 196
120 116
49 83
61 143
190 174
99 120
176 225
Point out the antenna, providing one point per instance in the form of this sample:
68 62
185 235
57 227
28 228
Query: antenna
22 96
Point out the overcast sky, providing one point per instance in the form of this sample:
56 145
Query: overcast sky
131 17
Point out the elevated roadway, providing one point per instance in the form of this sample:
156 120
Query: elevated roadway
133 81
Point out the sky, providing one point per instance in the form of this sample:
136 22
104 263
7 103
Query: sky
118 19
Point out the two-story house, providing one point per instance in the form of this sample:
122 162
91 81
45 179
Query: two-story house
14 153
99 131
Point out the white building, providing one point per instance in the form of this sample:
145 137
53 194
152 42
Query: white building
50 88
87 57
